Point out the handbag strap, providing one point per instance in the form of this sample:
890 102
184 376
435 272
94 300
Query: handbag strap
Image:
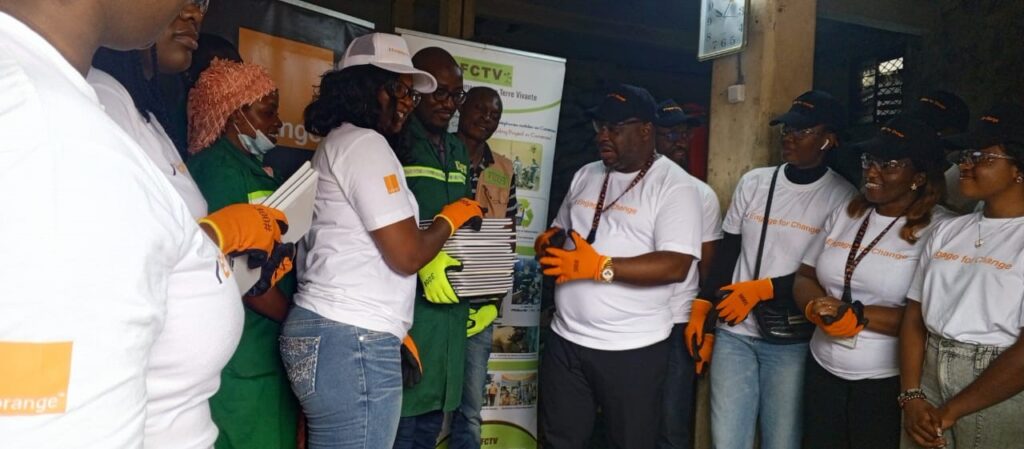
764 224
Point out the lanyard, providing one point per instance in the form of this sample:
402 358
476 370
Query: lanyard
853 259
599 210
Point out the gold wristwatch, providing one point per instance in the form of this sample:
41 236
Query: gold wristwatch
607 271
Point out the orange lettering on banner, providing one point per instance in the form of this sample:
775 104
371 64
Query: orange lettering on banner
34 378
296 68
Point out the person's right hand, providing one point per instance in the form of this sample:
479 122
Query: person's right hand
540 246
243 228
460 212
699 339
921 422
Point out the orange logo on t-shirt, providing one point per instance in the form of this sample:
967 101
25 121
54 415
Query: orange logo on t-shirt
391 182
34 377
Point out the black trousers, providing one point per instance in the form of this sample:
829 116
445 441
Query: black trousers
849 414
626 385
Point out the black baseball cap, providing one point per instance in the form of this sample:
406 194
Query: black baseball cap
670 114
811 109
942 110
905 136
624 102
1003 123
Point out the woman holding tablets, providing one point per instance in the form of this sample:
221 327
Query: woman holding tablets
853 284
961 355
357 265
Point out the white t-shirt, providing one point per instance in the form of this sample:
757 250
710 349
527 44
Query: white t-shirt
94 232
661 213
342 274
882 278
155 142
684 292
968 294
797 215
204 311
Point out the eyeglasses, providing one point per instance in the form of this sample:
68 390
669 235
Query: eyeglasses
613 128
674 136
787 131
203 5
970 158
400 90
457 96
892 167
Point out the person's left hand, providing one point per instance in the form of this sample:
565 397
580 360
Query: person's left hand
740 298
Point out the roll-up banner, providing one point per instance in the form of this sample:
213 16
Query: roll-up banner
297 42
530 85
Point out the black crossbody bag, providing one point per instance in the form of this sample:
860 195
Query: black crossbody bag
780 321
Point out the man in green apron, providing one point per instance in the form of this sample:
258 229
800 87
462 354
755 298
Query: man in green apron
255 407
436 169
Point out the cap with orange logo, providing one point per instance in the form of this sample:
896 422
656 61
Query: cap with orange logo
902 137
624 102
1003 123
813 108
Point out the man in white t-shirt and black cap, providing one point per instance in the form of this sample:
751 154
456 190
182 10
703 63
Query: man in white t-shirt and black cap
672 139
629 228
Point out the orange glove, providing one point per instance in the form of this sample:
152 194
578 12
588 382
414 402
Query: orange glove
460 212
740 298
699 335
581 263
544 241
272 269
244 228
848 321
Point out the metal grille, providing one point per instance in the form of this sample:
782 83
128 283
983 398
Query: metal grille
881 90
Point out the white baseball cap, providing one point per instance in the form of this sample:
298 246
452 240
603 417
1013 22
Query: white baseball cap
389 52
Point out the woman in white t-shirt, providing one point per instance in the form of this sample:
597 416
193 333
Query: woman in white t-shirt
204 315
853 284
961 352
756 378
357 265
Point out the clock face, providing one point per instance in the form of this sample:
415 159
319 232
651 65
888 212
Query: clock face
722 28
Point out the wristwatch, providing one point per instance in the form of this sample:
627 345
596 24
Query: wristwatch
607 271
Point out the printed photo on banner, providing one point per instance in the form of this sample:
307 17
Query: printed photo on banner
510 389
514 341
526 160
526 289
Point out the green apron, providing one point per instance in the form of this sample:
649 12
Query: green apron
439 330
255 407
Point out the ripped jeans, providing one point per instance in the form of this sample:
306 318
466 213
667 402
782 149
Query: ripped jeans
347 378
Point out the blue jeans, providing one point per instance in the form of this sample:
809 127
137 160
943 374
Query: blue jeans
348 380
466 419
419 432
680 391
753 380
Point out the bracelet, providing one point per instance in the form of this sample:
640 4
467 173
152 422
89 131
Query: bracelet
910 395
